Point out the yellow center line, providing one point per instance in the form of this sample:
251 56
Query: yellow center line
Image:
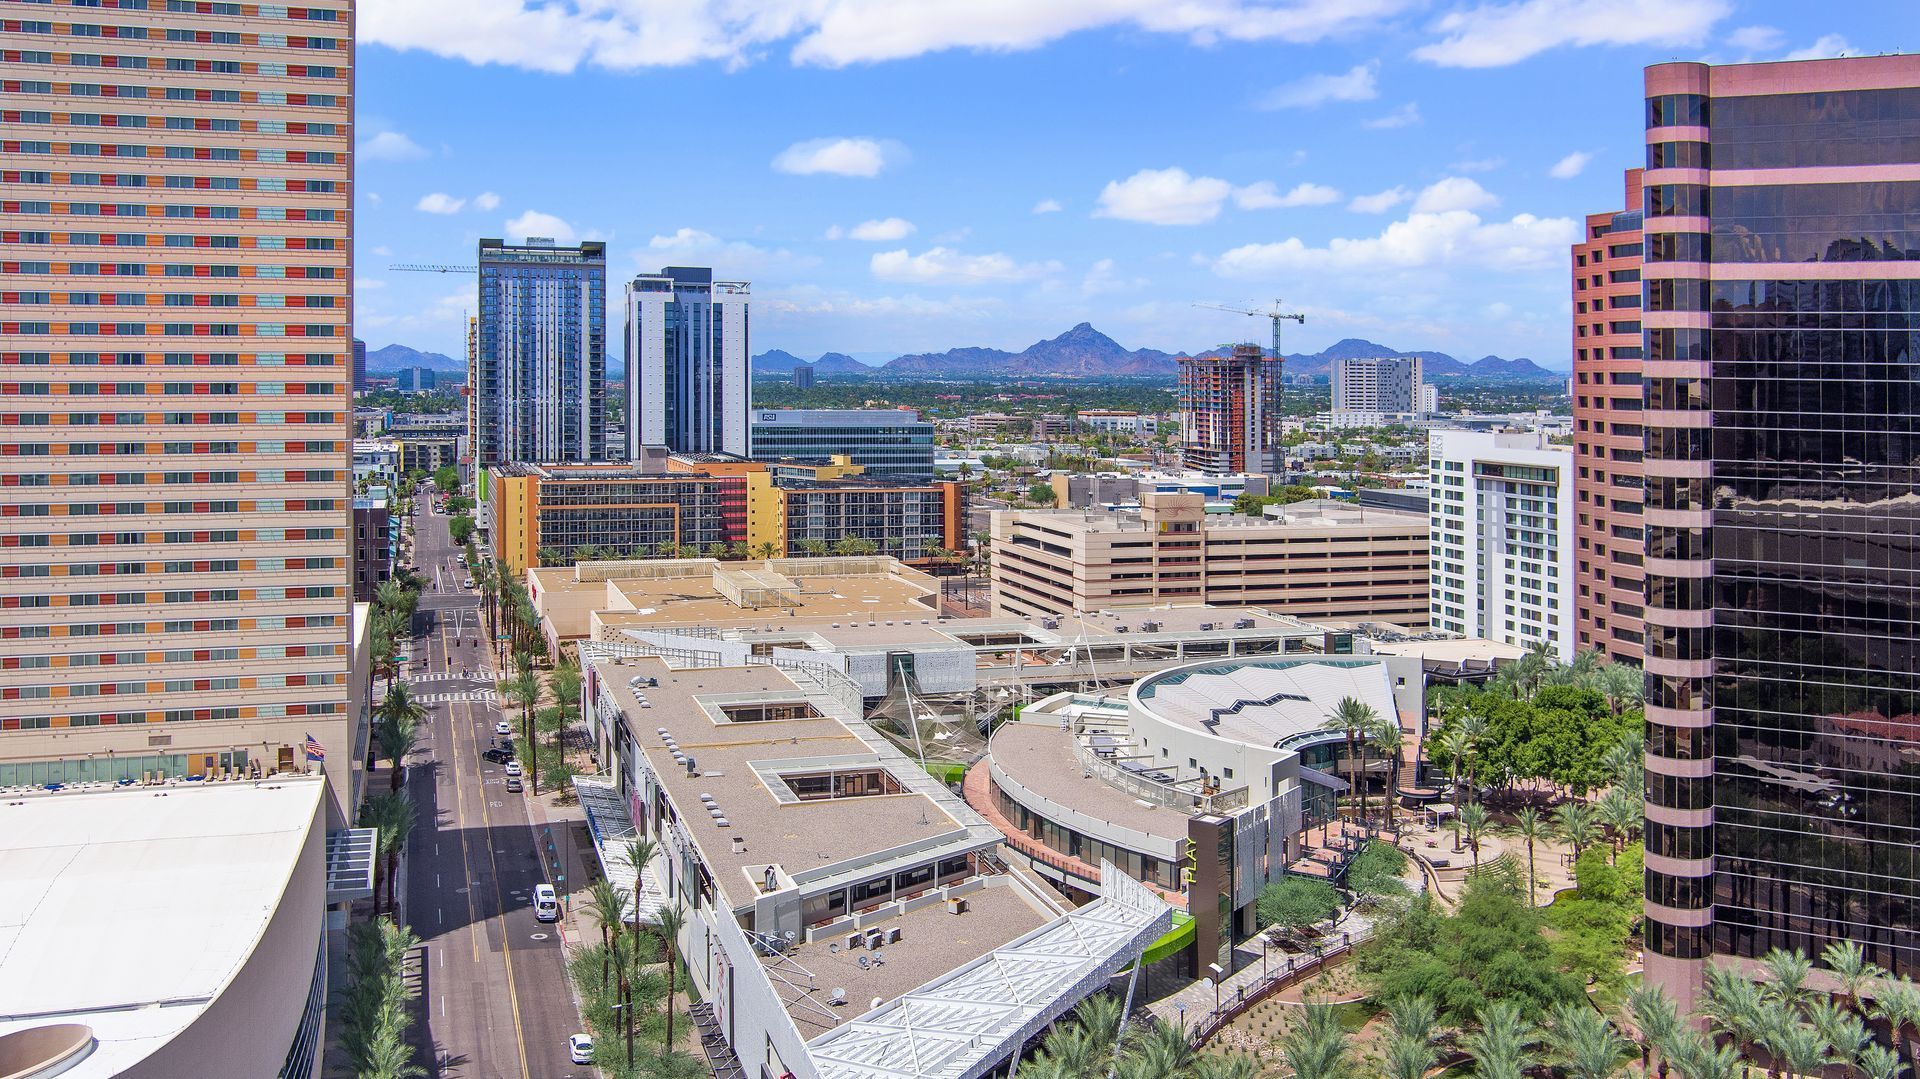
486 819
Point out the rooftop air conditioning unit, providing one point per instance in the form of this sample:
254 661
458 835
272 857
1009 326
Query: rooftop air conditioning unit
1206 627
1149 627
1120 629
1243 623
957 905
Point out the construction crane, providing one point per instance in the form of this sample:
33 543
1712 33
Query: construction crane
1276 315
431 267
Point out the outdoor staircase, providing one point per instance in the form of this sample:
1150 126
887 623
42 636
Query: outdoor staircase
720 1056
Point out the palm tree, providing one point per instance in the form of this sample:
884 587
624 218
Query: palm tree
1412 1023
1220 1066
1389 740
1846 1036
396 737
668 923
1531 827
1879 1062
1473 817
523 689
1353 716
765 550
1584 1044
1850 967
392 816
1658 1022
1734 1005
1162 1052
639 851
1898 1005
1787 973
1070 1052
1624 814
1316 1045
1796 1048
608 905
1621 685
813 548
1500 1048
1574 823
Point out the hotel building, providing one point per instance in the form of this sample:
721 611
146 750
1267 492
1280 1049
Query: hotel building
688 383
1608 485
1782 286
176 591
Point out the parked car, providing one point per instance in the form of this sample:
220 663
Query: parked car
514 785
546 904
503 728
513 768
580 1048
496 754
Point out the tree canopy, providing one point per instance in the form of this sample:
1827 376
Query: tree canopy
1294 903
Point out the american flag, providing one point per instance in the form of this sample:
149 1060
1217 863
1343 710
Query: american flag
315 751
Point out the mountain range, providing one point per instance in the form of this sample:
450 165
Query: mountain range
1084 352
396 358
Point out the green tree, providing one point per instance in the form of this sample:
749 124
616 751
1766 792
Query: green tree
1531 827
1294 903
523 689
1040 494
1502 1047
391 815
1412 1025
447 478
1316 1044
1376 871
607 905
1473 818
1583 1043
669 923
460 527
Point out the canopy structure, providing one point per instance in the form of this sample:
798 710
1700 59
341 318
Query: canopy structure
965 1023
612 827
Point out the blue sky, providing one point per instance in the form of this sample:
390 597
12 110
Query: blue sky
908 175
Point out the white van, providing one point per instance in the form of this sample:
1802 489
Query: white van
546 905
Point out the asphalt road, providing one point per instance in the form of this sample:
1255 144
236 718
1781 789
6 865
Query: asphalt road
495 996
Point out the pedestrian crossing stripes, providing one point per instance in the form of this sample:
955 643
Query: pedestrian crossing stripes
453 676
473 696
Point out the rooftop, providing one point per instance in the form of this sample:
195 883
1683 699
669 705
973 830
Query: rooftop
1264 701
738 767
1040 757
130 909
1301 517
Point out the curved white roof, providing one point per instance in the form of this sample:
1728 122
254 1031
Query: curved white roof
1264 702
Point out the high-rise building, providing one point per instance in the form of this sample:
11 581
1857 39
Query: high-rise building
359 366
1500 512
178 590
1608 484
803 376
890 443
687 377
1230 411
539 353
1377 391
1782 289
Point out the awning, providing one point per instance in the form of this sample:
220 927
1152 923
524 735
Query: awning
611 827
350 857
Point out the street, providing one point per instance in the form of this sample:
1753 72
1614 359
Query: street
495 999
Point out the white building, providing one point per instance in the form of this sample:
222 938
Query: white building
377 460
1501 526
1377 391
1111 422
687 349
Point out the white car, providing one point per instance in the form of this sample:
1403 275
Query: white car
468 583
546 904
580 1048
503 729
513 768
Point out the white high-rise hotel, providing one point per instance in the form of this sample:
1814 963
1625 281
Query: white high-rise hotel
1500 515
1378 391
687 349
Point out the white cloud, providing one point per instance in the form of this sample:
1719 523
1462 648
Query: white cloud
561 35
1164 197
1380 202
486 200
367 284
1101 279
941 265
1826 48
861 157
734 257
1047 206
1478 164
1756 39
1264 196
373 198
1570 166
1422 241
1496 34
536 223
439 203
383 251
1357 84
390 146
1405 116
881 231
685 240
1453 193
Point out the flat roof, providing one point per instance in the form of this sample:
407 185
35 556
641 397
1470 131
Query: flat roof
130 909
1040 757
1264 701
932 942
800 837
1302 517
1450 650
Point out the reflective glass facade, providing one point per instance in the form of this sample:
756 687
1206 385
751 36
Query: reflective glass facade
540 354
1783 540
891 444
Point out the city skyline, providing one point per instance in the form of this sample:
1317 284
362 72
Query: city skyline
940 247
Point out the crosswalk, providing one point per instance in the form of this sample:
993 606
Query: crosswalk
472 696
453 676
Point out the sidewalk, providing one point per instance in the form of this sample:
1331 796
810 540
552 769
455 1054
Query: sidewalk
551 828
1193 1008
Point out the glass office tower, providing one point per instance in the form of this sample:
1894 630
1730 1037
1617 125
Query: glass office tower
687 376
1782 264
540 353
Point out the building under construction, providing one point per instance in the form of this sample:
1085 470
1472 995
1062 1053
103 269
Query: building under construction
1230 411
